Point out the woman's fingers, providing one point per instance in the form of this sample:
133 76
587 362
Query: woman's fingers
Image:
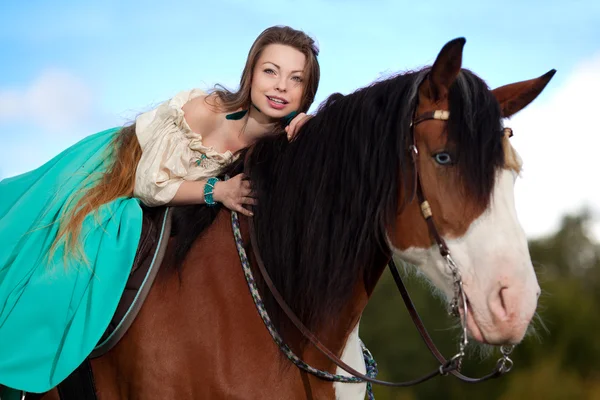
239 193
296 124
291 129
243 211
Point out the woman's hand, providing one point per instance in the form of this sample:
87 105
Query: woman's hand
234 193
296 124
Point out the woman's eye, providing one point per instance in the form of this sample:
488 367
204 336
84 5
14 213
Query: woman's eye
297 79
443 158
269 71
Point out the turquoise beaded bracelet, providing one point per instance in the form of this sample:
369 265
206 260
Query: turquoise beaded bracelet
209 188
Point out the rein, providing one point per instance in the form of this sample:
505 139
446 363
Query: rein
451 365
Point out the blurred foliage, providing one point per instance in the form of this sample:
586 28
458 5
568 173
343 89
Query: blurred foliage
560 361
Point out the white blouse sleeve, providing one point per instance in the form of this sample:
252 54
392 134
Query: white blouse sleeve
166 158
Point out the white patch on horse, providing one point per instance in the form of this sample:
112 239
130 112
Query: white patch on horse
352 355
497 273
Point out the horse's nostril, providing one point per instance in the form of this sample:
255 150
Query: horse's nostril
499 303
502 298
502 295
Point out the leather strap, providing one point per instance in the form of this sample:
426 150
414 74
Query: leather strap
443 247
441 115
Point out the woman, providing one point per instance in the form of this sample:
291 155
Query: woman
69 230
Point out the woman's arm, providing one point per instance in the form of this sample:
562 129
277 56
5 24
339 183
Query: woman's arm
190 192
233 194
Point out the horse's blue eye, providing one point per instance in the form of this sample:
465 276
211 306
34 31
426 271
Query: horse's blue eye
443 158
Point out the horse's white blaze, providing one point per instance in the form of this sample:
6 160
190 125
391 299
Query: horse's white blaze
352 355
496 269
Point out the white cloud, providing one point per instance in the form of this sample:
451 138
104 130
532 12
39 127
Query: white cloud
55 100
558 137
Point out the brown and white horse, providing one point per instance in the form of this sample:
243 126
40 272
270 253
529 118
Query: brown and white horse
333 206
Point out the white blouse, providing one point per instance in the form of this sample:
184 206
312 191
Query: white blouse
172 152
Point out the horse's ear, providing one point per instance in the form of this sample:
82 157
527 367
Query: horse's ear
444 71
516 96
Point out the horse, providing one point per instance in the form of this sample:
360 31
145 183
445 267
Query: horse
335 204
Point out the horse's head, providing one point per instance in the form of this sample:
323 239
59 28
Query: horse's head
467 169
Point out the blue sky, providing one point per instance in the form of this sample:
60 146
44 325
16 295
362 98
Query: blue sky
71 68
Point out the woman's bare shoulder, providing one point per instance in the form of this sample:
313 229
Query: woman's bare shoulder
202 112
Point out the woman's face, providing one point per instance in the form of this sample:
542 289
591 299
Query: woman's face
278 80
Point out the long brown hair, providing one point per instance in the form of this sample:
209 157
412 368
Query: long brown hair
118 180
125 152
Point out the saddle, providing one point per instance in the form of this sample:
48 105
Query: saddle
156 230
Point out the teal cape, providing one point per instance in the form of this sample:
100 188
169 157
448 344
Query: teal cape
53 310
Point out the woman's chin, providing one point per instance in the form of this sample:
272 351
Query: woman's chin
276 114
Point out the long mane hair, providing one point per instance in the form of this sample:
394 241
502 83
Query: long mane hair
326 198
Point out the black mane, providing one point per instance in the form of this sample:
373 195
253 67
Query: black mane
326 198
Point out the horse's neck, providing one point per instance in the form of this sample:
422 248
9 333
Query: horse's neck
341 337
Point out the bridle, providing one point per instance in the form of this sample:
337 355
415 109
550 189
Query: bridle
451 365
459 299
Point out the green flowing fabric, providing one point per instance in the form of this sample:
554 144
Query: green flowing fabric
53 311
